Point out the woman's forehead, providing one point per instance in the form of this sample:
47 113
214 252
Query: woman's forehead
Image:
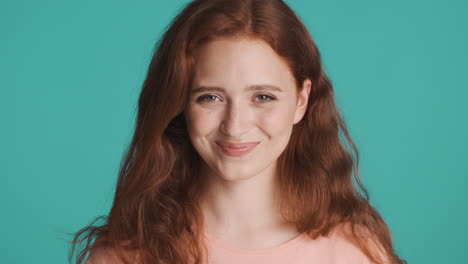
242 61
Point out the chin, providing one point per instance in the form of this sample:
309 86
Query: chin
235 172
236 177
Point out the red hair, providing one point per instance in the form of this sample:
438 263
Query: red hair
155 213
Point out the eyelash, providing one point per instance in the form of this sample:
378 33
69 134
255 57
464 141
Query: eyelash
203 97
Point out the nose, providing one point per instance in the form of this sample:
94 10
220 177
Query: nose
235 121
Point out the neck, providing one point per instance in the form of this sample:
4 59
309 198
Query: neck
241 207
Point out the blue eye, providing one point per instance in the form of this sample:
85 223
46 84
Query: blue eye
205 98
270 98
211 98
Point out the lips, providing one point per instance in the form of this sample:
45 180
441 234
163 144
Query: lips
236 149
230 145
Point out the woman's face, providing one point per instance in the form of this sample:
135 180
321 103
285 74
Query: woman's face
242 92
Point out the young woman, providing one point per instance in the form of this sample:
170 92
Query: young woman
237 155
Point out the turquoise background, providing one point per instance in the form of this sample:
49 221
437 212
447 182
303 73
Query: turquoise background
71 72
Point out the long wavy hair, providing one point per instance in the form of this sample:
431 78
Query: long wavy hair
155 215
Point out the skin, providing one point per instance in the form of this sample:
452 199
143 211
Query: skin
238 202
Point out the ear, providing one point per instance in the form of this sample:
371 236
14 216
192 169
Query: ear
302 100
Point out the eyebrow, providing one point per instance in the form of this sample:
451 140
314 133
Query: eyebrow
257 87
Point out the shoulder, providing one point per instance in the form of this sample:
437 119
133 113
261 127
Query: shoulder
107 256
337 247
103 256
371 241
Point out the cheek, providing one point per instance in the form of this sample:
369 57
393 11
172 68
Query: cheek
276 119
200 121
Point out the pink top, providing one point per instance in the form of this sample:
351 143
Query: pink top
333 249
302 249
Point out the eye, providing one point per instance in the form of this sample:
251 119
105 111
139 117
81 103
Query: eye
211 98
265 97
206 98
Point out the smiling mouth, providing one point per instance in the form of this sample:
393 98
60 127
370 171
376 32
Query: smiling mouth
237 149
